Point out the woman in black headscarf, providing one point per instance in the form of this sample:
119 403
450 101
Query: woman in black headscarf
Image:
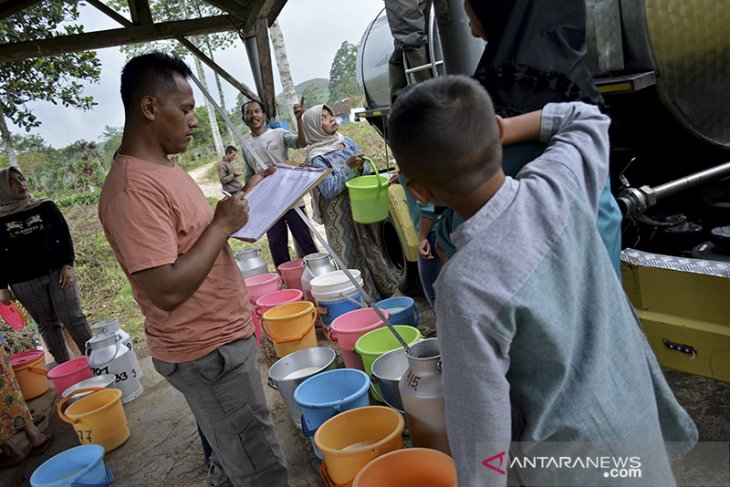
535 53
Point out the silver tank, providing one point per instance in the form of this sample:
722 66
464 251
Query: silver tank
314 265
113 326
684 41
107 355
422 393
250 263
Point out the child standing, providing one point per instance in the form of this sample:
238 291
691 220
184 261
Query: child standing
538 341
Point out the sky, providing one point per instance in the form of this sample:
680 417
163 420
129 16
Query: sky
313 31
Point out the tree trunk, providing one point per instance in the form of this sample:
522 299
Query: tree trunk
8 141
219 85
217 142
282 63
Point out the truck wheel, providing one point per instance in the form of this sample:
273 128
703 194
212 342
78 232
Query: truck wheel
409 282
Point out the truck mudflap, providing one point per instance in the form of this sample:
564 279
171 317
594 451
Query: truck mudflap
682 305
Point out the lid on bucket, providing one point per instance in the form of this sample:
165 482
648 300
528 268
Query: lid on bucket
12 316
24 358
68 368
335 283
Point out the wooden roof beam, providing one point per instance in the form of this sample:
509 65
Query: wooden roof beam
245 90
10 7
140 11
115 37
259 8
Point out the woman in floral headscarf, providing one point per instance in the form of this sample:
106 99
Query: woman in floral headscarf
36 264
354 243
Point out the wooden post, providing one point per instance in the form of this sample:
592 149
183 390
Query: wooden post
268 95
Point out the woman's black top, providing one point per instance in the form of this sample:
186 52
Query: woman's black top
33 243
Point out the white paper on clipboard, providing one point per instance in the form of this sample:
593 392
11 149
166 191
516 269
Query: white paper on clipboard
274 195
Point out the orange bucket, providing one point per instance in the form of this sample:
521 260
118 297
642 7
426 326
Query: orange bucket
30 371
350 440
97 418
412 467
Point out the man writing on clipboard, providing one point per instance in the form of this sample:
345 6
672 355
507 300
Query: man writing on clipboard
173 249
272 146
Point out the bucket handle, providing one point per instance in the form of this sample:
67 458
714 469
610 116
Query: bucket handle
375 381
375 170
264 327
38 370
272 384
62 402
87 350
108 480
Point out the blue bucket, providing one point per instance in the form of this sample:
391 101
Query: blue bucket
81 466
329 310
402 309
324 395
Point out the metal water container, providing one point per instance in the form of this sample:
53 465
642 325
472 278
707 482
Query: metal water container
113 326
250 263
422 393
107 354
314 265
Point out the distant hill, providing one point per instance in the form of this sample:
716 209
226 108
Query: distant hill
315 91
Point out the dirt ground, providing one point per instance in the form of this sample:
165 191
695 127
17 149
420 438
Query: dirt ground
164 448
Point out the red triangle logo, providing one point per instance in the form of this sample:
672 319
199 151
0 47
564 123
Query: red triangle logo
498 468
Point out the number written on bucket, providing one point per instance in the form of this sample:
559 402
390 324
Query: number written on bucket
117 377
84 436
412 380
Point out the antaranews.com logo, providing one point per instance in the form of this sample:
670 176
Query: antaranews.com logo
612 467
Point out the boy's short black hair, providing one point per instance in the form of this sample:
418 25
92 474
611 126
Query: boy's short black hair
230 149
150 74
444 134
243 107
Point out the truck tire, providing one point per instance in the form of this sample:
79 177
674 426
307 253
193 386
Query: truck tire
409 282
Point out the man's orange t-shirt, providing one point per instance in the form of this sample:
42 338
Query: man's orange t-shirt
151 215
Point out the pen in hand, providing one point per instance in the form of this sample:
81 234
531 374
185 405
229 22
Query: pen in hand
226 193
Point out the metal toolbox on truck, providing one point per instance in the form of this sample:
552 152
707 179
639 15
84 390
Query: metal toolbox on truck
684 307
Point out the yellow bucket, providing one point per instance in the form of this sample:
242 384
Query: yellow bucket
30 372
350 440
289 321
291 327
97 418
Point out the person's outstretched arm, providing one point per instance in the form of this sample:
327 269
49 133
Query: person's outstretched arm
522 128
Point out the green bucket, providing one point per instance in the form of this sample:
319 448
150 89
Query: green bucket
369 196
375 343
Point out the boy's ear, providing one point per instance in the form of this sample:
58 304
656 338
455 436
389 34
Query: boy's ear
420 192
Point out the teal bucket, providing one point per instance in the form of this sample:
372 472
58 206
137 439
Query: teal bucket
324 395
81 466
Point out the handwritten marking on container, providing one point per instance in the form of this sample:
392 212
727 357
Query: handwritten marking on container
412 380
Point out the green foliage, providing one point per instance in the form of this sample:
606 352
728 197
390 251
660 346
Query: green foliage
85 198
55 79
343 83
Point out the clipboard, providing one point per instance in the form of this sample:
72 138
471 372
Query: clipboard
275 195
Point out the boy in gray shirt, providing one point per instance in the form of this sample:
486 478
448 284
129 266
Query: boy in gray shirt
539 343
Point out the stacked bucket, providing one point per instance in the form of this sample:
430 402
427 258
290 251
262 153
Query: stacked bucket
354 416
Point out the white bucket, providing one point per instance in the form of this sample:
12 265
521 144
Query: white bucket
335 286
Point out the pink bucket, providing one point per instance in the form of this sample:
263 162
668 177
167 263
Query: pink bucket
262 284
347 328
258 286
292 273
272 300
69 373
